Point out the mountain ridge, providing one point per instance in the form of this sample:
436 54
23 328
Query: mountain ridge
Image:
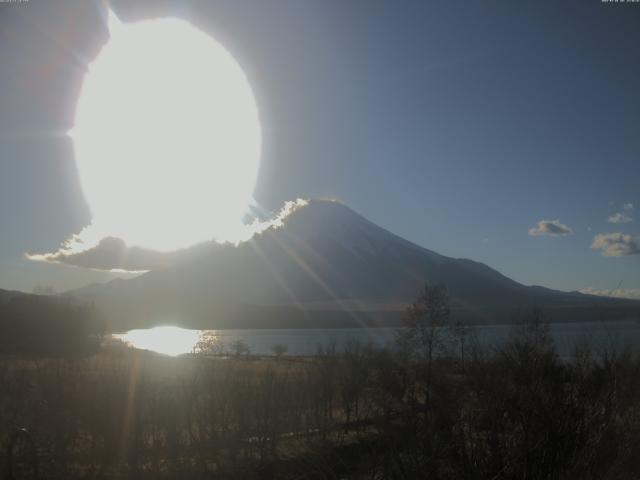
325 265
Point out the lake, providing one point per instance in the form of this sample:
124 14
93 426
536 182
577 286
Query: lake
172 340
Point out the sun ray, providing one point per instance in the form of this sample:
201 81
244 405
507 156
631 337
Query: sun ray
315 277
276 275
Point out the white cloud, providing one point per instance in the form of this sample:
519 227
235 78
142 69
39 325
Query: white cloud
615 244
619 218
109 254
550 227
633 293
627 207
92 249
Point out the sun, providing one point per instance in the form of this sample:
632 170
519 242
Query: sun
167 136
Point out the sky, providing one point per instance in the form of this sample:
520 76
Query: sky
505 132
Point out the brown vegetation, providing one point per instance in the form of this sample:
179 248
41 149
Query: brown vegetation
421 411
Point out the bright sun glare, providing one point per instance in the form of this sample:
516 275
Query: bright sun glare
167 137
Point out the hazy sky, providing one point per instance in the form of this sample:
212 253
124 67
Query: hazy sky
461 126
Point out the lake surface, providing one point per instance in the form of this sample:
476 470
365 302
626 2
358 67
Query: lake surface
175 340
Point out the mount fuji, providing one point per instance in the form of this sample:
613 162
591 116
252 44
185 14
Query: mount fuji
326 266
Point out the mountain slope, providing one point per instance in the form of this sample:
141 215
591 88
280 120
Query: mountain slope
326 266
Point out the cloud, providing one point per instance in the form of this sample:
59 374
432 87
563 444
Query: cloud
93 250
615 244
550 227
627 207
633 293
109 254
619 218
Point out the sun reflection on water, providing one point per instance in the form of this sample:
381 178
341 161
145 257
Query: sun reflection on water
167 340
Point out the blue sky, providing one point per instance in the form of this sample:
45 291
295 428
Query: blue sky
457 126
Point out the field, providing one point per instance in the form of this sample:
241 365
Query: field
517 412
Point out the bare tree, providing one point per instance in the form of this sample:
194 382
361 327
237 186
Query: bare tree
240 348
279 349
425 330
460 332
209 343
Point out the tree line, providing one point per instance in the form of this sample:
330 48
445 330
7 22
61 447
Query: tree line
436 405
46 325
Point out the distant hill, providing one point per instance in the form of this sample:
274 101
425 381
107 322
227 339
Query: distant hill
7 295
47 324
327 266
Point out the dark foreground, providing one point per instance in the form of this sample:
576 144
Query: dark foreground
518 412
